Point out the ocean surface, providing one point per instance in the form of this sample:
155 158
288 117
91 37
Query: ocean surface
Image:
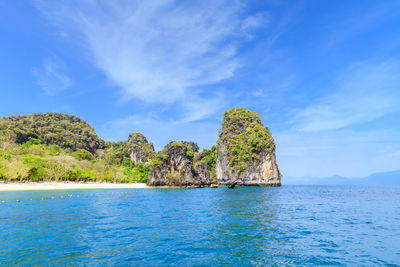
290 225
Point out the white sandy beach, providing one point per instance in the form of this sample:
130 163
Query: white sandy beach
58 185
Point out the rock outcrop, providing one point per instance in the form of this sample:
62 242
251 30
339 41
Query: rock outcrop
246 151
66 131
208 156
140 150
174 166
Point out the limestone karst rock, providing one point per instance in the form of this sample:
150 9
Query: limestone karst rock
66 131
174 166
51 142
246 151
140 150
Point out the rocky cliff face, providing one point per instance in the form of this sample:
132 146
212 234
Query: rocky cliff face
174 166
140 150
246 151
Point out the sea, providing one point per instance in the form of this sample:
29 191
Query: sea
245 226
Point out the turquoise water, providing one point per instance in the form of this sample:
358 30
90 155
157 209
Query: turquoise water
290 225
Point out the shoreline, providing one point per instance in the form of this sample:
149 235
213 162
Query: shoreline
66 185
37 186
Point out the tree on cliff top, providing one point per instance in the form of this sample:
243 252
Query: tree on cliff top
245 137
66 131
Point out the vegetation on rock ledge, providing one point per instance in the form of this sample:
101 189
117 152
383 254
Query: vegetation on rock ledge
60 147
209 156
139 148
245 137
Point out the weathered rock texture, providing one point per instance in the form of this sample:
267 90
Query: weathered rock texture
208 156
174 167
246 151
140 150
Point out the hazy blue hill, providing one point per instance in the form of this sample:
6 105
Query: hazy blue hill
384 178
380 178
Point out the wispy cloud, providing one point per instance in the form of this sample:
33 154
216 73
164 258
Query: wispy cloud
51 78
365 92
157 51
324 139
197 108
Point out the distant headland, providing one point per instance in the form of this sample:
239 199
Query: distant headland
56 147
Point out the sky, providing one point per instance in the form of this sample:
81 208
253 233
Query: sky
324 75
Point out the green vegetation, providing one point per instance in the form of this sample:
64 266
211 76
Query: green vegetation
33 161
66 131
190 152
209 156
191 148
245 136
137 142
176 144
136 172
59 147
175 177
82 154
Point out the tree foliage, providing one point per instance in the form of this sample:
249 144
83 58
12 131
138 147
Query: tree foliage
66 131
245 137
60 147
209 156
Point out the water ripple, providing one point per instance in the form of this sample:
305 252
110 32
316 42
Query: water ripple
291 225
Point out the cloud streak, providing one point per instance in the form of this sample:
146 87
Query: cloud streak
50 77
157 51
365 92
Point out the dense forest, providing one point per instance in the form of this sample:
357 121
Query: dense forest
60 147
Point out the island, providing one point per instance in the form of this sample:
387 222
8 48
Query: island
56 147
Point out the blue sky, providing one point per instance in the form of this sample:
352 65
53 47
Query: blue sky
324 75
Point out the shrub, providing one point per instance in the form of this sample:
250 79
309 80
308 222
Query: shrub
190 152
82 154
209 156
37 166
61 147
138 172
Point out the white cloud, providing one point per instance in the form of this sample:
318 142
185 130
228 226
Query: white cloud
157 51
365 92
196 108
50 77
325 139
254 21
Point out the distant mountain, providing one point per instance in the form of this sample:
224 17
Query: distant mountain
380 178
